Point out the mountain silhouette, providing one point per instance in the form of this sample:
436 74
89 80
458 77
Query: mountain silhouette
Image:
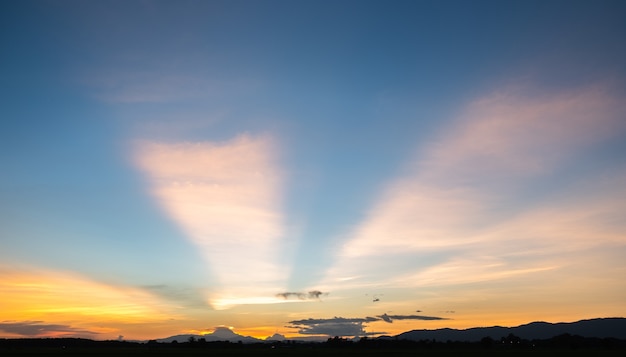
276 337
599 328
220 334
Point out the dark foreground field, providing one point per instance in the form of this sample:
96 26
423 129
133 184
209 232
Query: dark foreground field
304 352
562 345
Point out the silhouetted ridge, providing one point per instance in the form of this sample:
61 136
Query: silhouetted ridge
598 328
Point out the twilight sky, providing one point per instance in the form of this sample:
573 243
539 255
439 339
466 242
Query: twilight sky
309 167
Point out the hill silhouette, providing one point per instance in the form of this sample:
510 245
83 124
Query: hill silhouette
596 328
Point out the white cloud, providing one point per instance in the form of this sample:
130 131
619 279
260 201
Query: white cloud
415 217
450 203
226 197
571 225
512 134
467 270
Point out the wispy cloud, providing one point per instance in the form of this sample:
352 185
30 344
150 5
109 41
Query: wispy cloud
147 87
512 134
41 329
467 270
226 197
390 318
156 82
462 202
454 188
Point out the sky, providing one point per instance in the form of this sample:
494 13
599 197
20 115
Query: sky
309 168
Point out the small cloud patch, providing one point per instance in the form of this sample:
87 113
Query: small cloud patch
311 295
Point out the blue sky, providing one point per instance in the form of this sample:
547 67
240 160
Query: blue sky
194 159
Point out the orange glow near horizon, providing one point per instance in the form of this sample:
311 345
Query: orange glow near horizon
81 307
78 304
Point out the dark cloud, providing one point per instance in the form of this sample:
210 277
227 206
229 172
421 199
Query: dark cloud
333 320
341 326
337 329
386 318
315 294
38 328
337 326
390 318
311 295
288 295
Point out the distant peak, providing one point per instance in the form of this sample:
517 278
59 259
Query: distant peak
276 337
223 332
